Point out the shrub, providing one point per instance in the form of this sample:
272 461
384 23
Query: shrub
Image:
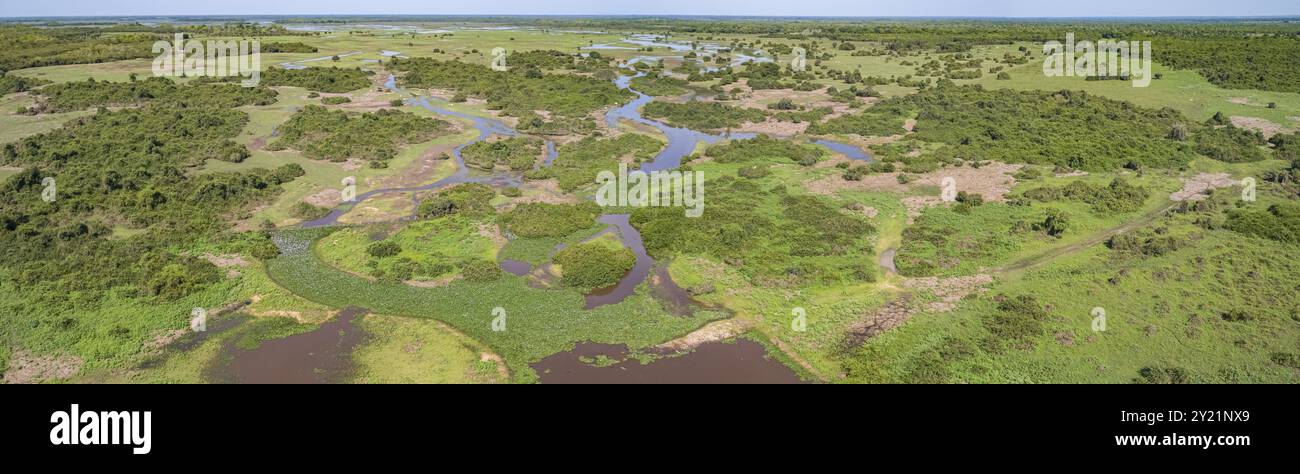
481 271
594 264
1055 223
308 212
472 198
1017 320
1230 144
337 135
1162 375
383 248
549 220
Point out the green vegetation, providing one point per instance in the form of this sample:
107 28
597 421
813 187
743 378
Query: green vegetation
1058 128
768 233
516 93
33 46
1116 198
467 199
414 350
660 86
69 96
158 180
335 135
11 84
531 220
122 169
698 115
1230 144
763 149
319 79
596 264
426 250
577 164
539 322
518 153
1280 222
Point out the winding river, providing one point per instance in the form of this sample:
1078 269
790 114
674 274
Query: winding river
681 142
743 361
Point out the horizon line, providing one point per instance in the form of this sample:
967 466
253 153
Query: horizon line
1290 16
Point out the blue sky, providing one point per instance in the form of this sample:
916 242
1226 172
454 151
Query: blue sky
994 8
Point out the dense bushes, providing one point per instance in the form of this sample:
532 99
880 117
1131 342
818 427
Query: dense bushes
308 212
577 164
549 220
294 47
1162 375
178 137
1017 321
517 153
69 96
126 168
1149 242
703 115
336 135
1280 222
383 248
514 92
319 79
660 86
39 45
765 148
594 264
771 236
10 83
468 199
480 271
1237 61
1116 198
1036 127
1230 144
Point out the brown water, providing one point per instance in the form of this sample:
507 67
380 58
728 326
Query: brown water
320 356
740 362
631 239
516 267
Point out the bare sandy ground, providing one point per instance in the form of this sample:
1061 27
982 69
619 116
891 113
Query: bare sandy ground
1267 127
712 332
25 367
545 190
992 181
948 291
1195 188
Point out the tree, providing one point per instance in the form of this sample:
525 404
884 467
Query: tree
1055 224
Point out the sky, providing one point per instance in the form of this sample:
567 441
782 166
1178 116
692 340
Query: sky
869 8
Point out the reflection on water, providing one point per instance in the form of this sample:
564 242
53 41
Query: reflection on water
320 356
853 152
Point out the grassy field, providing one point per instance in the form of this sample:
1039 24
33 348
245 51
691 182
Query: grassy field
1181 90
415 350
1164 311
14 126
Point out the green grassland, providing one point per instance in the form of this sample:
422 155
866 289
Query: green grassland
414 350
1214 305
